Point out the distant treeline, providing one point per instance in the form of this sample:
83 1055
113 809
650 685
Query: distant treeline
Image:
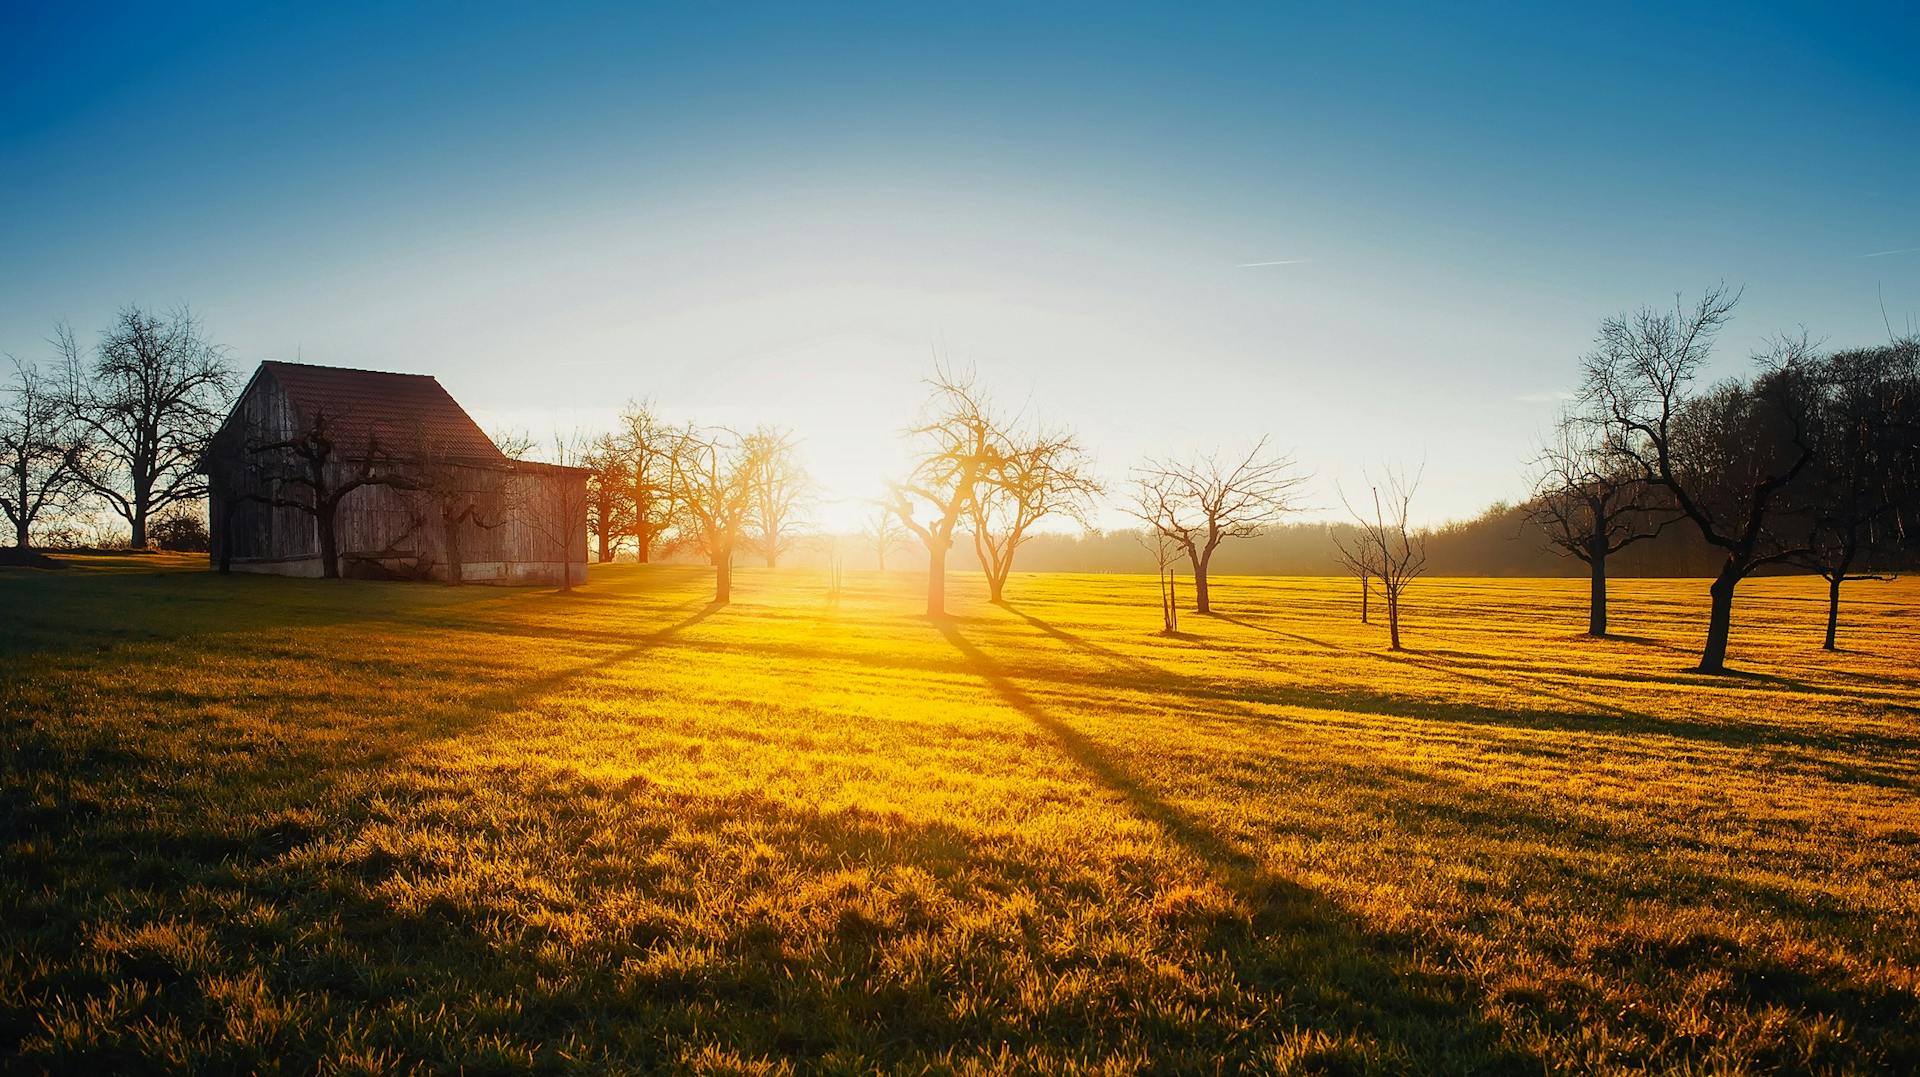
1502 541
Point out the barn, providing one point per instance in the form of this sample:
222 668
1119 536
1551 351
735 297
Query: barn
321 471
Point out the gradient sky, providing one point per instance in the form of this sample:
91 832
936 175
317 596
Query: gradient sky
772 214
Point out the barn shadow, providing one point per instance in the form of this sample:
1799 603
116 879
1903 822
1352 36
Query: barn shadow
82 612
1299 945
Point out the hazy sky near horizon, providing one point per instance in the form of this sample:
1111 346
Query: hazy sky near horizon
1377 236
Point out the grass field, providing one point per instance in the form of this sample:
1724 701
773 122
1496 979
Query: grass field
255 824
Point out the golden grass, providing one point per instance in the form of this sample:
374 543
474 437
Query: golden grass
261 823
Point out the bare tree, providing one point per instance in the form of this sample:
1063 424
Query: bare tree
1865 422
781 489
1166 561
151 400
647 444
958 444
41 450
1590 505
712 479
1725 457
451 493
308 471
1198 504
1039 474
609 495
882 533
513 444
1384 545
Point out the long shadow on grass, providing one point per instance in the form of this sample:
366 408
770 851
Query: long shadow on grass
1597 864
298 769
1323 969
1438 811
1270 630
1081 643
1591 716
97 612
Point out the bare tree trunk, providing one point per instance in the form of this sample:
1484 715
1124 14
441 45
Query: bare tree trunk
1202 601
643 545
997 580
605 551
1597 596
453 554
723 579
1366 594
937 582
1596 559
1597 599
329 543
20 524
1393 620
139 522
1713 657
1833 608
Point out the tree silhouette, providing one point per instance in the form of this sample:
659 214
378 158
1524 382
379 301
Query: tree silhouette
958 444
151 400
1199 504
711 478
1866 424
610 503
781 488
1384 546
311 472
1590 504
647 442
1726 457
1039 474
882 532
41 452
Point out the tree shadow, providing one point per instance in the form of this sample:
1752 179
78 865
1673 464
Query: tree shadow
1305 947
302 769
1081 643
1588 715
1640 641
1270 630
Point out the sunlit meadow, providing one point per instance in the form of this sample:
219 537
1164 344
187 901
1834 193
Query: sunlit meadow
255 823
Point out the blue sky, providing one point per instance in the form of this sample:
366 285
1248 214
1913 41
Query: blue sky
779 214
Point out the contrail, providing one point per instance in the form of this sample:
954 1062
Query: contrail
1883 254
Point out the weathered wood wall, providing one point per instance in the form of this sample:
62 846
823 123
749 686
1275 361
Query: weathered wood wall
517 536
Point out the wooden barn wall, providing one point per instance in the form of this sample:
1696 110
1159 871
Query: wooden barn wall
386 530
260 532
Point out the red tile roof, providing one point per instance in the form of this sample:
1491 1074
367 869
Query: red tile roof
403 412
